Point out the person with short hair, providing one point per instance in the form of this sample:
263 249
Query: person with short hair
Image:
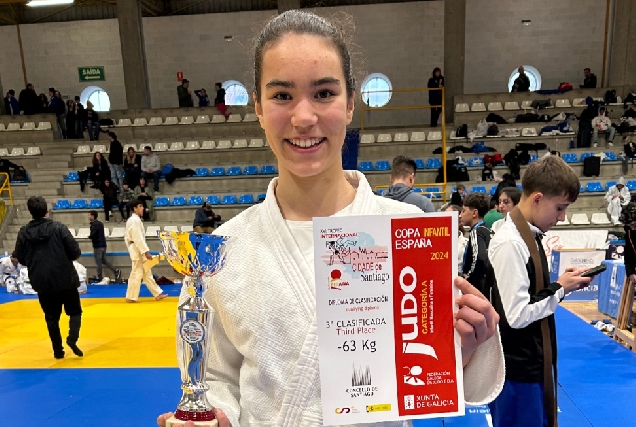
457 197
402 180
98 238
10 269
616 197
473 212
183 92
204 99
522 82
139 252
493 214
29 101
92 121
590 79
508 199
126 195
12 103
151 166
205 219
526 312
219 101
48 250
602 123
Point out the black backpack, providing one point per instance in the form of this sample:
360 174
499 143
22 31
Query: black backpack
493 130
610 97
630 149
462 131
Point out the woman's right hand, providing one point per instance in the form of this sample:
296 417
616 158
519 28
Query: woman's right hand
220 416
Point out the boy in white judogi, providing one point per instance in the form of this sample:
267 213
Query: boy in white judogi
617 196
10 269
135 239
24 283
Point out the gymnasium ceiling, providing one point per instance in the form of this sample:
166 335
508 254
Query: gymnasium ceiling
14 11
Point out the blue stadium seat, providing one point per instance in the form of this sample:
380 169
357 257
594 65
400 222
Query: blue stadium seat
234 171
434 163
217 171
62 204
162 201
71 177
195 200
365 166
594 187
268 170
610 156
246 199
201 172
631 185
382 191
213 200
418 189
79 204
430 190
178 201
519 187
261 197
582 189
569 158
475 161
534 157
493 189
478 189
250 170
419 163
608 184
96 204
229 200
21 181
382 165
586 155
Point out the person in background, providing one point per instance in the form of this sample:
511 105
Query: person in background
146 195
628 219
185 97
590 80
58 107
70 119
92 122
116 159
507 181
457 197
100 171
402 180
493 214
79 112
205 219
462 241
7 105
219 101
602 123
10 269
28 100
151 167
98 238
125 197
43 104
82 276
12 104
204 99
6 166
435 96
522 82
616 197
48 250
132 167
476 256
508 199
109 190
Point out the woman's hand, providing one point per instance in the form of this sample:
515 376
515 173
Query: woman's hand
476 321
220 417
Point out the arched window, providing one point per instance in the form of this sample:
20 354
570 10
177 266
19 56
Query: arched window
533 75
97 96
235 93
375 90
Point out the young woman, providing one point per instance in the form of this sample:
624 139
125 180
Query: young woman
146 194
508 199
100 171
263 367
110 198
132 167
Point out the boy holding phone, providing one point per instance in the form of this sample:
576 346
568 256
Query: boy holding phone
526 300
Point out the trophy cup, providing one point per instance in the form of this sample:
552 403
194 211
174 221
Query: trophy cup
196 256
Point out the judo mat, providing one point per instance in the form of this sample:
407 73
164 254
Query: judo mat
128 375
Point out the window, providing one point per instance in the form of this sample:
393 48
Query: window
533 74
235 93
97 96
375 90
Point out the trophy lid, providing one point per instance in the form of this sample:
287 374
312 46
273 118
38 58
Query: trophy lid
193 254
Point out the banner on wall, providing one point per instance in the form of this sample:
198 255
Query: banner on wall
564 258
573 239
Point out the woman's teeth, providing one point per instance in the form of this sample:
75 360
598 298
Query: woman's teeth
305 143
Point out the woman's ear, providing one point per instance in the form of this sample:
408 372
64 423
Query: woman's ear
350 107
258 108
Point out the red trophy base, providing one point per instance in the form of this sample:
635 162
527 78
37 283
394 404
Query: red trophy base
199 419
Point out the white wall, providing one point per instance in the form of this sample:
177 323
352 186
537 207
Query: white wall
564 37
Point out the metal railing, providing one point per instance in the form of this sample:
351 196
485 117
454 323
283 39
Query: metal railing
6 186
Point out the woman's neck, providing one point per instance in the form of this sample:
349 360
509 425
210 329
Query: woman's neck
301 199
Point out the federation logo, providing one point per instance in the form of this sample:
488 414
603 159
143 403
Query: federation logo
335 281
192 331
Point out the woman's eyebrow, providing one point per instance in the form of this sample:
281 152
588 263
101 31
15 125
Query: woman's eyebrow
325 81
291 85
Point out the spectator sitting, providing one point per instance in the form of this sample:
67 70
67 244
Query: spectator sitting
493 214
151 167
185 97
508 199
204 99
219 101
12 104
205 219
29 102
127 195
521 83
602 123
617 196
132 167
10 269
402 180
92 122
590 80
109 191
100 171
146 195
457 198
6 166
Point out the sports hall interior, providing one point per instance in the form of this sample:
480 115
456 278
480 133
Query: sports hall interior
129 374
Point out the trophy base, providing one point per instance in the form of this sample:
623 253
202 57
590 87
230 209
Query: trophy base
172 421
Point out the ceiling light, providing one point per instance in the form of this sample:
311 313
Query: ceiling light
35 3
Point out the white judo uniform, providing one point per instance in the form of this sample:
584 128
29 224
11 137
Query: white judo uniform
263 362
135 239
614 203
10 274
24 283
81 273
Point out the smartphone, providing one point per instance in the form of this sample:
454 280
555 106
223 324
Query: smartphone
594 271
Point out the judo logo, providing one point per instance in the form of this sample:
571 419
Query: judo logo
192 331
334 280
351 410
412 377
409 402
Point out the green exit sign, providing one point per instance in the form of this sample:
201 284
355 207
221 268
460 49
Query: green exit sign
91 74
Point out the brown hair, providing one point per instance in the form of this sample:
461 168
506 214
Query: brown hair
403 167
461 187
478 201
513 193
552 177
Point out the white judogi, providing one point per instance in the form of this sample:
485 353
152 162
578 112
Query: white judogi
135 239
462 241
614 203
8 270
81 273
24 283
263 360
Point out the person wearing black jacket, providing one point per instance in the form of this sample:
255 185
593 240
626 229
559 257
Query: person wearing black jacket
48 250
507 181
476 206
91 118
29 100
116 159
435 96
132 167
590 80
110 191
628 218
98 238
521 83
219 101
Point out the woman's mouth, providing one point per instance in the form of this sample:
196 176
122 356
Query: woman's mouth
305 143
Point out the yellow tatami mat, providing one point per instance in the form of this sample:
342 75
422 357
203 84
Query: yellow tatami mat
114 334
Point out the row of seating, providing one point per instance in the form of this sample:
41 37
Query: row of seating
369 138
19 151
26 126
228 199
610 156
179 146
581 218
514 105
186 120
119 232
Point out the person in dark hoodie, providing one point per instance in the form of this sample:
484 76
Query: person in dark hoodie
98 238
435 96
590 79
402 180
205 219
48 250
116 160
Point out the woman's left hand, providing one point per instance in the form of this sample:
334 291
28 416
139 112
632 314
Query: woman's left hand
476 321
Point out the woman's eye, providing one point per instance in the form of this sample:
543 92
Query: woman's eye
282 96
323 94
